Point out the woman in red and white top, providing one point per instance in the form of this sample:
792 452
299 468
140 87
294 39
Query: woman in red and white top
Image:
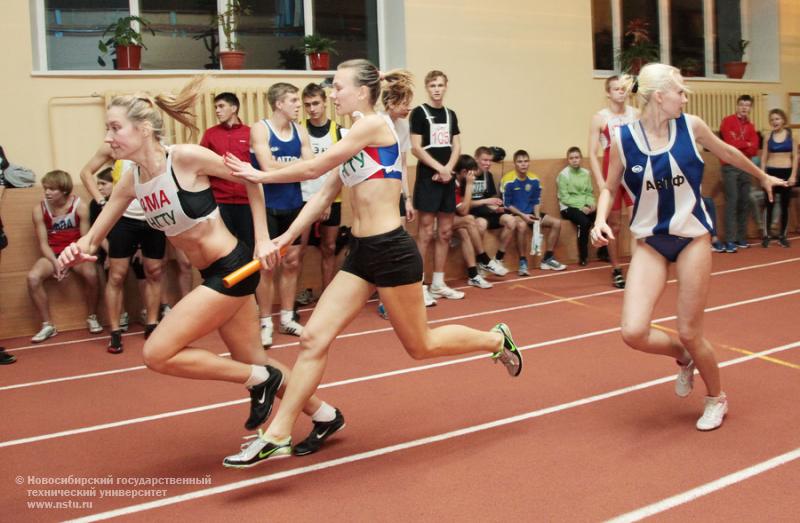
59 219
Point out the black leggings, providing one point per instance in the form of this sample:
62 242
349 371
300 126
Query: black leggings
584 223
785 195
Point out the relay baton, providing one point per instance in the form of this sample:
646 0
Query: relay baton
245 271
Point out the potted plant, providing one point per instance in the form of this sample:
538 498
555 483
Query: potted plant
736 67
689 66
126 41
292 58
638 50
233 55
319 49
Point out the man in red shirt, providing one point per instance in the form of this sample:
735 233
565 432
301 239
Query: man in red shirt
738 131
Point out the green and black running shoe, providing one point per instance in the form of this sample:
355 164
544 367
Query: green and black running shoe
257 451
509 355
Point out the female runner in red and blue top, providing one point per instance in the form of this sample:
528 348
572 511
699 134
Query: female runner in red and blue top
381 255
657 160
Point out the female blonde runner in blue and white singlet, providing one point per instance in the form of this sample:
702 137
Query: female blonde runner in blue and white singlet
381 255
173 188
657 161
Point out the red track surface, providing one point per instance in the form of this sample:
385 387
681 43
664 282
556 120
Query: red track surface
569 440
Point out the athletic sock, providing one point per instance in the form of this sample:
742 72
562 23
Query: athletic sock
499 255
523 258
267 320
472 271
324 413
437 280
286 316
258 374
484 258
548 255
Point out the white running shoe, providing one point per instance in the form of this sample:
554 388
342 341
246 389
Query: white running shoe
290 327
124 321
552 265
266 335
48 331
446 292
522 270
494 267
426 296
93 325
684 383
714 413
479 282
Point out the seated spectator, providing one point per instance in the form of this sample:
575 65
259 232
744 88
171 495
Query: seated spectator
466 228
576 199
486 205
59 219
5 358
521 196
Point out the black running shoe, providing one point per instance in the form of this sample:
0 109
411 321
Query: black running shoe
322 430
8 359
257 451
509 355
602 254
783 242
115 343
261 398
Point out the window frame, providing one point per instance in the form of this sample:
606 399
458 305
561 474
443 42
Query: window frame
665 35
391 44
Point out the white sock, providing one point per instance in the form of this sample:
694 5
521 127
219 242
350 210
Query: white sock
286 316
258 374
324 413
266 321
437 280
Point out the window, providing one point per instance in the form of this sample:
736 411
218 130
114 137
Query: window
187 35
697 36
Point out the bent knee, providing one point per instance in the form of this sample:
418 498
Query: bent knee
636 336
155 357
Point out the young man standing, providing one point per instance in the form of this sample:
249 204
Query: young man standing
522 196
604 122
436 143
486 205
737 130
323 133
274 142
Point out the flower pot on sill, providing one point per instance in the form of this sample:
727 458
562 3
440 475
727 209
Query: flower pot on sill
129 57
320 61
231 59
734 69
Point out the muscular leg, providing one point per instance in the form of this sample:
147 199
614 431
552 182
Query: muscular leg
425 232
509 225
442 245
184 276
152 287
117 271
647 277
199 313
614 221
289 271
554 224
327 249
88 273
521 230
40 271
693 270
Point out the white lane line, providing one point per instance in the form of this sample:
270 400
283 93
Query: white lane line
384 329
198 494
708 488
514 280
33 439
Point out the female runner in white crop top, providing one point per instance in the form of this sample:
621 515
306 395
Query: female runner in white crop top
379 242
134 128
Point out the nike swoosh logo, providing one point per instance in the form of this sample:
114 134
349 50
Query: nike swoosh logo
263 397
322 435
269 452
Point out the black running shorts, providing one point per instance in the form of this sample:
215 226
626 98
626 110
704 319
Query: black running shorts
390 259
239 256
128 235
279 220
430 196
